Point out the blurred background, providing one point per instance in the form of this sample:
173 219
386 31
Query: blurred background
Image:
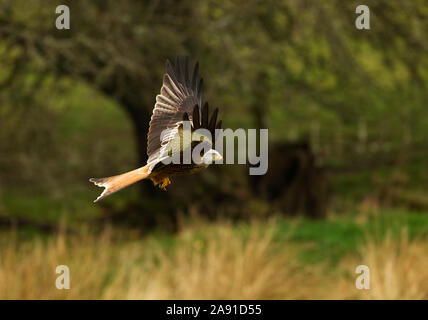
347 116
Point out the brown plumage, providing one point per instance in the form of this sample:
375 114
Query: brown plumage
179 101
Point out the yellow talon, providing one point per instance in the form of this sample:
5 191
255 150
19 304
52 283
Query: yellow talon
165 182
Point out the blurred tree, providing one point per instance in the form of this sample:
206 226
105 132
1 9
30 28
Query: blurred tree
288 65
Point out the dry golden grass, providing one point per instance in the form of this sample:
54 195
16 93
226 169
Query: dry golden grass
398 270
225 267
220 265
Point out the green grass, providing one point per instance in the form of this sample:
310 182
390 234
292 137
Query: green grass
39 207
326 240
322 241
332 239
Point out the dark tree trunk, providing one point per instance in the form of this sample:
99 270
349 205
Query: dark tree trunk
294 183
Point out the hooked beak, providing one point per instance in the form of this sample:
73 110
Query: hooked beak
217 157
212 157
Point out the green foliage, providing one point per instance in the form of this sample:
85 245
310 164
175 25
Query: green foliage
301 69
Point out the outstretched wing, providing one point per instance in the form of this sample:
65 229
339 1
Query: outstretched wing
204 121
179 94
180 141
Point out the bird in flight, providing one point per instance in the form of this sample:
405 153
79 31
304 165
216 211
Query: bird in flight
174 129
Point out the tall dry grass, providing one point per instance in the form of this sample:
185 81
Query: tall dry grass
223 264
225 267
398 270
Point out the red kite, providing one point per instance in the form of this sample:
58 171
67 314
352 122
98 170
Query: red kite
179 102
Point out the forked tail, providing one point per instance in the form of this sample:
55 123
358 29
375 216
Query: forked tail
116 183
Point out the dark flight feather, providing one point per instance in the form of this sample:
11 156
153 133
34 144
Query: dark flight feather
200 86
170 72
178 68
195 119
213 120
180 100
186 72
204 121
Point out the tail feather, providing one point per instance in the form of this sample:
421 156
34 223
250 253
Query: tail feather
116 183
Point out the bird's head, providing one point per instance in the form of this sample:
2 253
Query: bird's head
211 156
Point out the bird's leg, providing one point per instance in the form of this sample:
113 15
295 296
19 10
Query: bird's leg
164 183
